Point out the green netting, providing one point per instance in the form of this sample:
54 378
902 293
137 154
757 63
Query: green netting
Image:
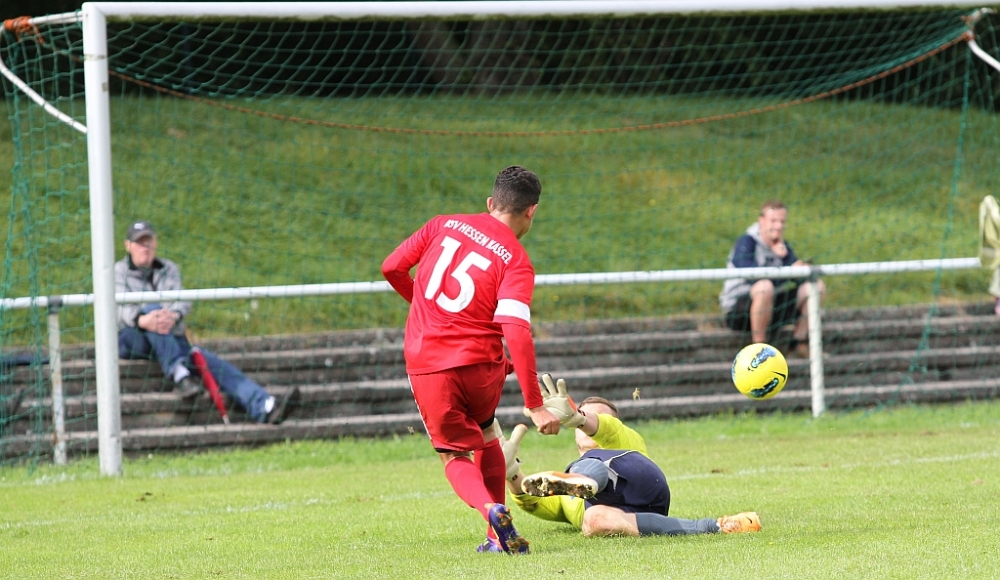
272 153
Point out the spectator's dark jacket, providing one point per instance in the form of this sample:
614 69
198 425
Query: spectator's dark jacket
751 252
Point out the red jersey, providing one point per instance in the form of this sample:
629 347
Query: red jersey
473 276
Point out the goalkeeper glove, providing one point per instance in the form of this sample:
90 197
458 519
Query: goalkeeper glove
556 399
510 448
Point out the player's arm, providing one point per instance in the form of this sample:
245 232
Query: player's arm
513 314
397 265
522 354
611 433
606 430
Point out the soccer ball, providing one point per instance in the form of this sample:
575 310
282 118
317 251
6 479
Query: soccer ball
760 371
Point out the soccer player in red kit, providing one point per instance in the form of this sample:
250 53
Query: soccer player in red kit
473 288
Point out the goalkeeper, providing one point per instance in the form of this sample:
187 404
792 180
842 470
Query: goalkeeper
613 488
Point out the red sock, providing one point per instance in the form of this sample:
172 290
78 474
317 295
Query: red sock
493 466
465 479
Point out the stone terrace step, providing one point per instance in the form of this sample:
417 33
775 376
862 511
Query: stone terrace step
355 382
617 383
372 362
334 364
685 323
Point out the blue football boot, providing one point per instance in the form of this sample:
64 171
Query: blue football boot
490 546
503 524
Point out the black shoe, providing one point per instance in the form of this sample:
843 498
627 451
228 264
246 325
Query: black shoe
14 402
186 390
283 406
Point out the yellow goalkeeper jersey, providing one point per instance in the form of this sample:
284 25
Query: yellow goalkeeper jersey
611 434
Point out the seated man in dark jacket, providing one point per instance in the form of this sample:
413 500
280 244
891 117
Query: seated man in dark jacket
760 305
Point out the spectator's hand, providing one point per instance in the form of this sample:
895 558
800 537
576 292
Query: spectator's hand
510 448
557 400
544 420
159 321
780 249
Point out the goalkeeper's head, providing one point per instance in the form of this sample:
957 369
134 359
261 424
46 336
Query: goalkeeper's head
598 405
515 198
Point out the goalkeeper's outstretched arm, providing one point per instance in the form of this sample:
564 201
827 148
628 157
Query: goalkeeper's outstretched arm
607 431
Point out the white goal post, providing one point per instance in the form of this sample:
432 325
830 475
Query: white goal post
94 18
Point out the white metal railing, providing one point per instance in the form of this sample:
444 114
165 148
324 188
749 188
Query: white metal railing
54 303
297 290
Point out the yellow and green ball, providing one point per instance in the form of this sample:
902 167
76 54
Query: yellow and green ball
760 371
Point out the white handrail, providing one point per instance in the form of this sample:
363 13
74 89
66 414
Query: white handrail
299 290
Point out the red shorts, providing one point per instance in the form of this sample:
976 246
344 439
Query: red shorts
457 404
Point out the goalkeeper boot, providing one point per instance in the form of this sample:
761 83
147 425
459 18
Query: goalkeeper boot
744 522
503 524
549 483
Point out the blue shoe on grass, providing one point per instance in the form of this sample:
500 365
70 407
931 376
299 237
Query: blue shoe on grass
503 524
490 546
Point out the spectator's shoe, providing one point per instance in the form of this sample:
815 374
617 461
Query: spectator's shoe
283 405
490 546
549 483
744 522
798 349
13 402
503 524
186 389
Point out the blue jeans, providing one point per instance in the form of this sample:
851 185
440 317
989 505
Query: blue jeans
170 350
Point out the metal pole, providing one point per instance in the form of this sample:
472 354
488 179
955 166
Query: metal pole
55 376
815 347
174 11
102 228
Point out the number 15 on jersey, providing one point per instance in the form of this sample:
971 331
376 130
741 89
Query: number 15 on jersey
467 286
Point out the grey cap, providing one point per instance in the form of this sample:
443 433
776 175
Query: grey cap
139 230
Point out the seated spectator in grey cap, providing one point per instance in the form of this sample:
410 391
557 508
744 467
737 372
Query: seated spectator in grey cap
157 331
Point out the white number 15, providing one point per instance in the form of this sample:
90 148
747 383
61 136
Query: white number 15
467 285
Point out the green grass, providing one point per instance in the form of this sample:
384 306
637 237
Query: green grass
240 200
908 492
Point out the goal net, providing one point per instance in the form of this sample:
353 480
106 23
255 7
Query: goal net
277 151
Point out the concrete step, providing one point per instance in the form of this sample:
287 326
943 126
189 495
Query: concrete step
683 323
157 406
373 361
355 382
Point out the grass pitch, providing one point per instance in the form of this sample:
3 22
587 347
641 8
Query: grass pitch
908 492
241 200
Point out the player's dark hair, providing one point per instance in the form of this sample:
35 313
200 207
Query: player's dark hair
515 190
601 401
772 204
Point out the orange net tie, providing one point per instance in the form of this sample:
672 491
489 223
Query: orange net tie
23 26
